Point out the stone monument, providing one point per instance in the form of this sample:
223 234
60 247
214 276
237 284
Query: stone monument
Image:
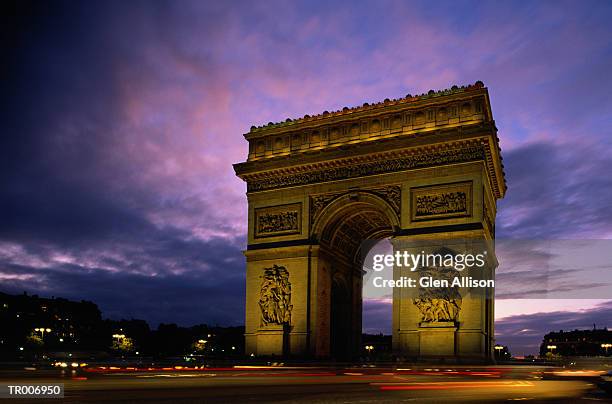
424 167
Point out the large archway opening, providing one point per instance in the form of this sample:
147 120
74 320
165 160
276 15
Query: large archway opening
341 231
377 312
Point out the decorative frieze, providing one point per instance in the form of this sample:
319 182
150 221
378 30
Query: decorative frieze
278 220
441 202
391 195
378 166
319 202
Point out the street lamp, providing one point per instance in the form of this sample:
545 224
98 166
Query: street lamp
42 331
606 347
551 348
499 349
119 339
369 348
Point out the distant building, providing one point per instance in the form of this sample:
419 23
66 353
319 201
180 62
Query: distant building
34 327
53 323
595 342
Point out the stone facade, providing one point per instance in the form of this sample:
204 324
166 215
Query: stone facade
418 168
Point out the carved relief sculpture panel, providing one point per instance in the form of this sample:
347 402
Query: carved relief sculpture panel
441 202
275 296
278 220
438 304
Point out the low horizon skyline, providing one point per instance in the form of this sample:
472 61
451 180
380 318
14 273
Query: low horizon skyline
530 338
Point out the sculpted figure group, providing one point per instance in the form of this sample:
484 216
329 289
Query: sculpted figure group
275 296
438 304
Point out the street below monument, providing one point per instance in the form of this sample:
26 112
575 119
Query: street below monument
318 384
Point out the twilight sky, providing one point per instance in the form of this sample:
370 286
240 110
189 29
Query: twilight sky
121 121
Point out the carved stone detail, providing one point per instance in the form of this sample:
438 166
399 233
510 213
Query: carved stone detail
438 304
439 202
391 194
278 220
434 158
319 202
275 296
449 202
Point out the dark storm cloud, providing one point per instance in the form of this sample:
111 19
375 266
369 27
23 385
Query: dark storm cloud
164 280
186 298
60 124
544 268
84 210
557 190
524 333
534 285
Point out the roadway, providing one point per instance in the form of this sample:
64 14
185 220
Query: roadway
315 384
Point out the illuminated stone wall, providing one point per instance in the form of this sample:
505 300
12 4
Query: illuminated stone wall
414 168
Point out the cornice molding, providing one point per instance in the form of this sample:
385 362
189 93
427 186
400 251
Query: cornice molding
346 150
431 97
457 152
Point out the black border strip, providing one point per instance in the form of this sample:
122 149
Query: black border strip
278 244
440 229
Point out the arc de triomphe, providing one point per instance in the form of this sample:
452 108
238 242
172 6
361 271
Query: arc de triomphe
319 185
